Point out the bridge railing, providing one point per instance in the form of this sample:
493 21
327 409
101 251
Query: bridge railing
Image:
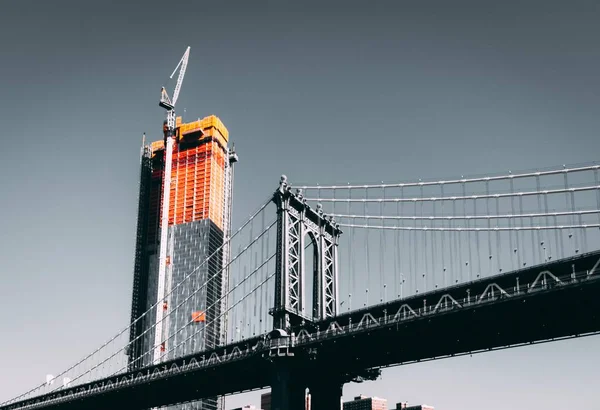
493 293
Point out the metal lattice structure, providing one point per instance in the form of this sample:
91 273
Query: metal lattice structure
297 222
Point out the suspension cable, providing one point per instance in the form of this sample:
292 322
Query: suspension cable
127 328
472 216
474 229
186 299
497 195
457 181
251 292
150 350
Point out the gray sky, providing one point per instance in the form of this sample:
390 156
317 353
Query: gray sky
323 93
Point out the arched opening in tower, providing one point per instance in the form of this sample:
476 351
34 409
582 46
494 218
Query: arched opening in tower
311 276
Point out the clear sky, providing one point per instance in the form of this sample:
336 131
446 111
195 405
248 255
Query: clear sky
335 92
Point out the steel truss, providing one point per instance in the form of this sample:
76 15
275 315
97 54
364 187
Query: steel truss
446 300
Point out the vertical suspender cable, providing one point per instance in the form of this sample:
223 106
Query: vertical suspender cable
567 202
349 249
459 258
489 235
367 247
415 245
424 251
597 192
270 296
238 329
556 237
582 230
355 271
533 247
396 251
248 283
401 239
334 190
539 209
519 250
452 246
256 282
477 238
469 262
243 305
512 203
547 224
522 223
513 224
262 271
411 271
381 245
576 233
266 290
498 245
443 234
266 285
433 269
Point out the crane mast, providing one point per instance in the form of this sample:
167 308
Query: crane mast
168 104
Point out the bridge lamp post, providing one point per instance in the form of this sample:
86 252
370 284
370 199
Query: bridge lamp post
349 302
384 292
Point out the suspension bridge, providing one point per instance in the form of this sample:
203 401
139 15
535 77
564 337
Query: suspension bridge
329 284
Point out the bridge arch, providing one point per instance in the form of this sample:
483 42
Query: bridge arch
310 267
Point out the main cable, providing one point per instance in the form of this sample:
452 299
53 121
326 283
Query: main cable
556 171
481 196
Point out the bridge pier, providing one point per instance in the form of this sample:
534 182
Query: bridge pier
287 393
325 394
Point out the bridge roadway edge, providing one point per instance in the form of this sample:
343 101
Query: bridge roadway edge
539 317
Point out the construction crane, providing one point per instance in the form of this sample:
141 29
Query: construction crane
169 129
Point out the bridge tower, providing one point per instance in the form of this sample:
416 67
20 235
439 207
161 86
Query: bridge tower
297 222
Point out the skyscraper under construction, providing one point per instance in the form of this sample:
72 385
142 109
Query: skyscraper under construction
198 223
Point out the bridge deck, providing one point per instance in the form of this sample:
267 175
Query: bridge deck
551 301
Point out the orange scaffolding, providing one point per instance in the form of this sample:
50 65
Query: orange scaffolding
198 173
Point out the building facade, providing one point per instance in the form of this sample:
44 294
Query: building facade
265 401
405 406
366 403
195 283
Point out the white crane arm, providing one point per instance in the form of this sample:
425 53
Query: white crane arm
183 63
